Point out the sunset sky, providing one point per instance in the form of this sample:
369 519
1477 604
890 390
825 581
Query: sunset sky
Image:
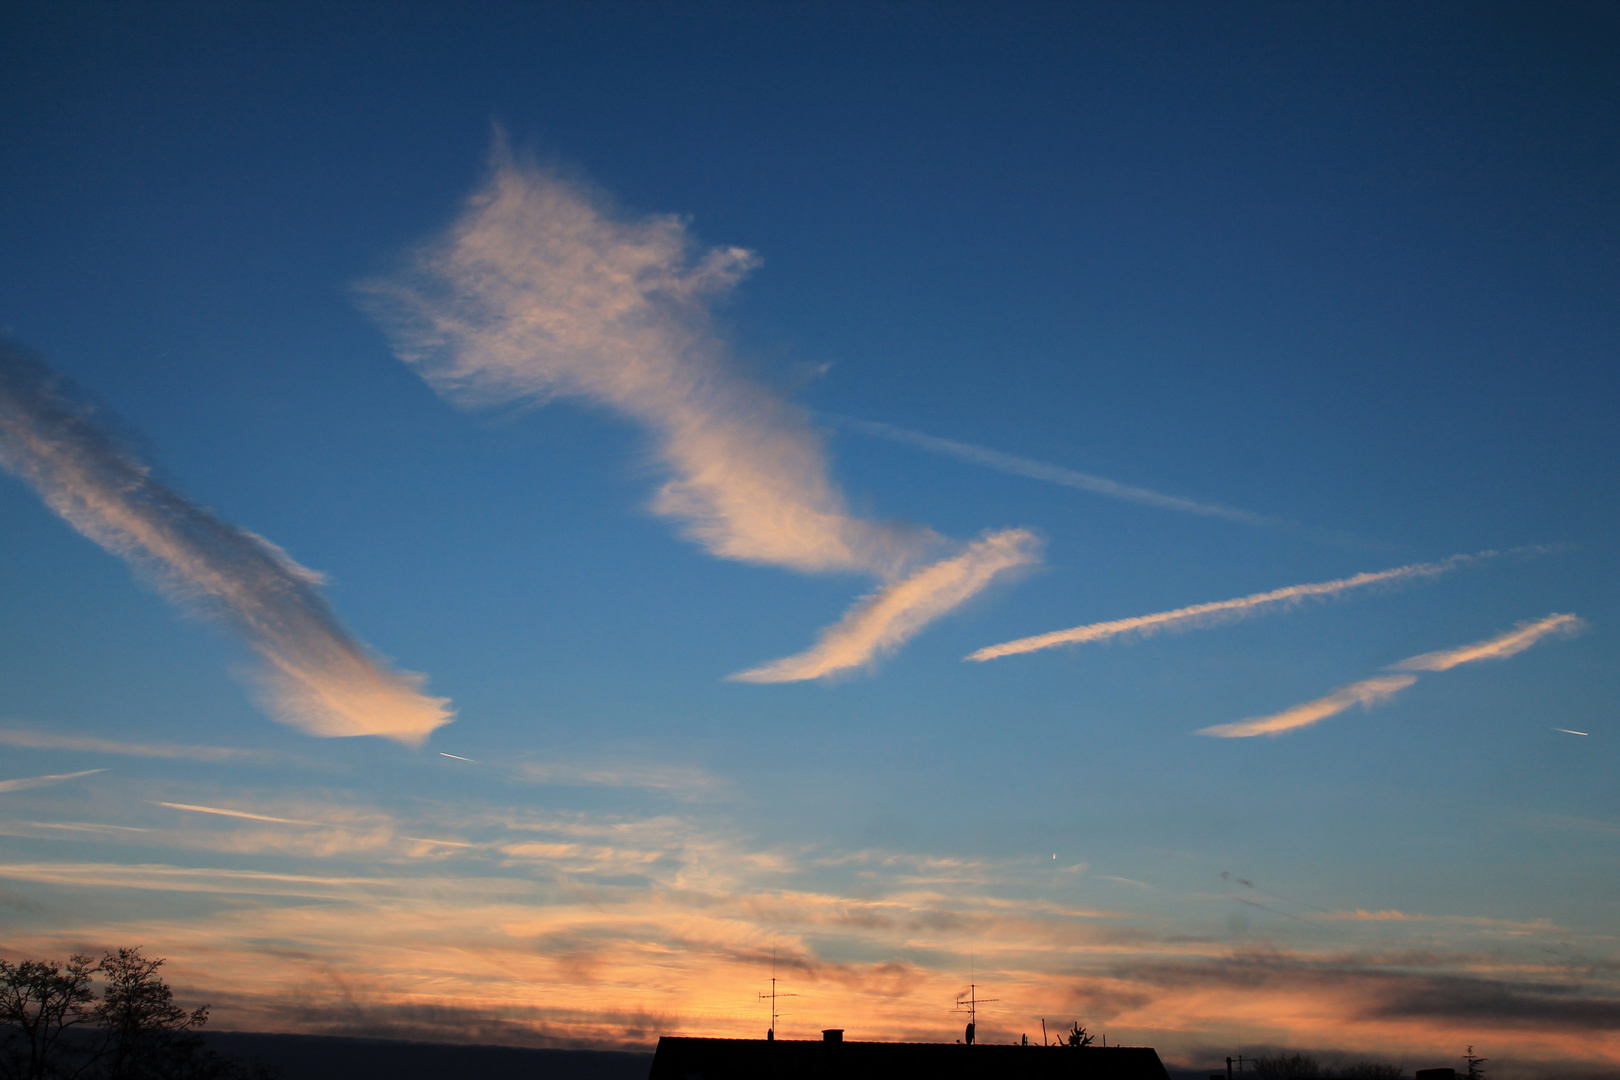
515 515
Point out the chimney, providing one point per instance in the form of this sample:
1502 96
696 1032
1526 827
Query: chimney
832 1035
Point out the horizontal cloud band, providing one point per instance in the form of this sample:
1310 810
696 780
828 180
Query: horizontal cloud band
315 677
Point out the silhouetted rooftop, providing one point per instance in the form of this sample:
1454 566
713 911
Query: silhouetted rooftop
681 1058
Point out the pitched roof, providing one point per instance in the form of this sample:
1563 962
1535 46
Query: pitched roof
680 1058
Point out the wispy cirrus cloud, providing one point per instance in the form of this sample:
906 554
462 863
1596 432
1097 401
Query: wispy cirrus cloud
29 782
539 291
315 676
1380 689
1217 612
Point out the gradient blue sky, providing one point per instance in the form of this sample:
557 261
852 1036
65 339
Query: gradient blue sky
1350 269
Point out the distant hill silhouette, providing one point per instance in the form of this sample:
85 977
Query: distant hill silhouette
318 1057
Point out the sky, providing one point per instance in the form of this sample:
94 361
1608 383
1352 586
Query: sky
520 518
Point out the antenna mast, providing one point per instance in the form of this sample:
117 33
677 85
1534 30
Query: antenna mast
770 1035
971 1000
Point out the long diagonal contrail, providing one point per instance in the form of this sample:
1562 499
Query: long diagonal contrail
1056 474
1222 611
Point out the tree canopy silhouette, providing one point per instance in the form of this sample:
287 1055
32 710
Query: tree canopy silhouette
52 1027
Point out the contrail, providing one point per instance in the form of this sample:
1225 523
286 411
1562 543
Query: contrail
457 757
540 291
315 676
44 781
1566 731
1223 611
1377 690
1056 474
234 813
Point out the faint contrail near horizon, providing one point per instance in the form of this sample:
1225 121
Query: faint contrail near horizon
1381 688
1056 474
1222 611
315 676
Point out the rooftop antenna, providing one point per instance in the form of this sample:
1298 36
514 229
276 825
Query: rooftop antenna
770 1036
970 998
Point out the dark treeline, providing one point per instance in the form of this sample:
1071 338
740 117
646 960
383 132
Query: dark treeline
54 1026
1305 1067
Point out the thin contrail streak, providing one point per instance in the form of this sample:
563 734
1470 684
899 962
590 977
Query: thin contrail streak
457 757
1567 731
26 783
1056 474
1221 611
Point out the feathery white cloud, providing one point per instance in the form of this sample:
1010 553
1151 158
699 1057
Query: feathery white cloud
315 676
1377 690
885 620
26 783
1515 641
1223 611
539 291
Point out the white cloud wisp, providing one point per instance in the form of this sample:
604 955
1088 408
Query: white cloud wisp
1515 641
1224 611
315 676
1381 688
538 291
882 622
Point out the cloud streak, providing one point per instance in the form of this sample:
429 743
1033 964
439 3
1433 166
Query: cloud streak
540 291
1224 611
1380 689
1501 647
41 740
314 675
1056 474
27 783
882 622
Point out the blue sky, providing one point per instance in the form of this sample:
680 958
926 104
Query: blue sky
1347 270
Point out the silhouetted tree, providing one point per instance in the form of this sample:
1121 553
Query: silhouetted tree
147 1034
1368 1070
1077 1036
135 1032
39 1002
1476 1065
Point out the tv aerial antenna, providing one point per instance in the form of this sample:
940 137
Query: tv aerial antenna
772 996
968 1001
